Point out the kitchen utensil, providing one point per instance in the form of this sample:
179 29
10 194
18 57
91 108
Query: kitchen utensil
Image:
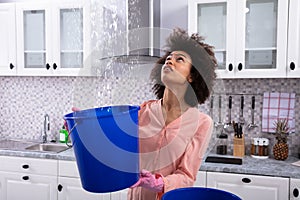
103 138
228 126
212 107
252 124
241 118
219 123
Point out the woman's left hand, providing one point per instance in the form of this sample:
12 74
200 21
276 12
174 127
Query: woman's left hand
150 181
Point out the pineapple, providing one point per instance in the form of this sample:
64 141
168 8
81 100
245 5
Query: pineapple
281 148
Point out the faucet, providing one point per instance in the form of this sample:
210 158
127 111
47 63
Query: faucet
46 128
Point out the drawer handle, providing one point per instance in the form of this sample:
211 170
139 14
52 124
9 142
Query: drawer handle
25 166
246 180
26 178
59 187
292 66
296 192
230 67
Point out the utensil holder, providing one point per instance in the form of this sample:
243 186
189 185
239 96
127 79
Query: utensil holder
239 147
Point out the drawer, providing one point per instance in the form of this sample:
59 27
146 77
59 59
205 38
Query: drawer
67 168
28 165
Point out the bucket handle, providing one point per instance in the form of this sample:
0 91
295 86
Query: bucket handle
69 132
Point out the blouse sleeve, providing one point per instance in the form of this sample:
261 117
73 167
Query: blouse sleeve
189 164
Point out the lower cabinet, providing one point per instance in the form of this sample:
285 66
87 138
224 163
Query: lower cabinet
201 179
294 189
250 187
69 185
119 195
28 178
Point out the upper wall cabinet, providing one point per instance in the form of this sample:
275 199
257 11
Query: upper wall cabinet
249 36
52 38
293 58
7 39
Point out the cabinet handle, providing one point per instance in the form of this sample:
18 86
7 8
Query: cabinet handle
47 66
25 166
296 192
59 187
246 180
54 66
240 66
26 178
11 66
230 67
292 65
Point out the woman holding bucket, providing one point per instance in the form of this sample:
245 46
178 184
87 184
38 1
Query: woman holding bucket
173 133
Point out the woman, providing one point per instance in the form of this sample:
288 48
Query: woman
173 133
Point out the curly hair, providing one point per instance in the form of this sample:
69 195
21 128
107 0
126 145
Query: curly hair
203 66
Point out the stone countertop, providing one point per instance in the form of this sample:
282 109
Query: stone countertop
254 166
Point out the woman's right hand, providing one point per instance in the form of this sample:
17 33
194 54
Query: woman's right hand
74 109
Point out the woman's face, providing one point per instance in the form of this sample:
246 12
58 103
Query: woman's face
177 69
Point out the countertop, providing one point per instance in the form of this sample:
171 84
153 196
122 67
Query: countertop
268 167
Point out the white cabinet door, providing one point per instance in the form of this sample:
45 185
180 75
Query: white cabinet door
119 195
250 187
293 62
53 38
69 184
250 37
294 189
27 186
8 60
201 179
71 189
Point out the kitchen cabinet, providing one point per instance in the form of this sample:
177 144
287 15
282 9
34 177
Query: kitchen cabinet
250 187
293 56
69 184
294 189
119 195
52 38
8 58
201 179
19 177
249 36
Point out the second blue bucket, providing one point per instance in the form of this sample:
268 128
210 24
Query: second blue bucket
105 143
199 193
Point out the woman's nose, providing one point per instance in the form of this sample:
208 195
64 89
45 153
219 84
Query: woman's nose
169 61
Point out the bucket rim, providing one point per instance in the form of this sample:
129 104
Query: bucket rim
199 189
80 113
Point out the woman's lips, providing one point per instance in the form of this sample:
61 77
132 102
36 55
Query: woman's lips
167 68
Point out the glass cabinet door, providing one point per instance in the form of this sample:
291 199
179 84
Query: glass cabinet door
34 39
214 20
214 13
71 38
261 34
263 26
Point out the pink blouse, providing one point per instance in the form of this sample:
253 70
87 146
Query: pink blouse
174 151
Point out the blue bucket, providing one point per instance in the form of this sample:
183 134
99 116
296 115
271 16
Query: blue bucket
199 193
105 143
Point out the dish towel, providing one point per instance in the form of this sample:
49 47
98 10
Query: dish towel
278 106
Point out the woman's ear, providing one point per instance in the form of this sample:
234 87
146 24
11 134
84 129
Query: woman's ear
189 79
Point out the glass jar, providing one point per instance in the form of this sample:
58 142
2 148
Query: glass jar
222 144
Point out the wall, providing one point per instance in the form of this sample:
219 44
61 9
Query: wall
25 100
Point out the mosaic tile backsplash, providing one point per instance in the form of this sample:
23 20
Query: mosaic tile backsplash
25 100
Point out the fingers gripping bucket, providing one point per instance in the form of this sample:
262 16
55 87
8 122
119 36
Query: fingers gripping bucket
199 193
105 143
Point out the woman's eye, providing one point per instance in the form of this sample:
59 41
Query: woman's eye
180 59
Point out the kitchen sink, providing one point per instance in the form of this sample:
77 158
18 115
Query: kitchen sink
48 147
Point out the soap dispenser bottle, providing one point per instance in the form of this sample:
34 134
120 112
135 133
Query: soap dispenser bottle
63 135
